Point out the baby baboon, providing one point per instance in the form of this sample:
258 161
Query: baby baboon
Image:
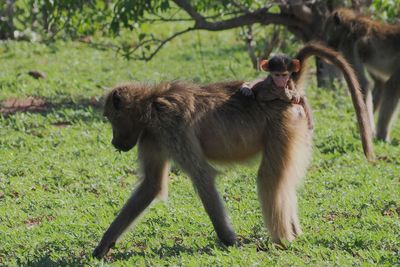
374 47
278 84
191 124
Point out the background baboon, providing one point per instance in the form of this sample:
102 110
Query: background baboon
374 47
191 124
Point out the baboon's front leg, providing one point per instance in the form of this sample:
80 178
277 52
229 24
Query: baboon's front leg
190 157
214 207
155 168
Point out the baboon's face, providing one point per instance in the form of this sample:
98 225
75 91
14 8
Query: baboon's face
126 125
125 132
335 29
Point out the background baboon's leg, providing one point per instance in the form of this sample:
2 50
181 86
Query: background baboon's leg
284 163
366 87
389 107
377 92
370 108
190 157
155 168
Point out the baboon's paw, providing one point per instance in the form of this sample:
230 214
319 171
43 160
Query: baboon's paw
101 250
229 239
296 229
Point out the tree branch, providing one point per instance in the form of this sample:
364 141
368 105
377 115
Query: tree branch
243 18
261 16
301 11
189 9
159 18
161 44
248 37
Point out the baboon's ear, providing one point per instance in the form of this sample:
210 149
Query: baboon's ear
296 66
264 65
158 105
116 99
336 18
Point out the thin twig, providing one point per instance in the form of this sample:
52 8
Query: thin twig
163 42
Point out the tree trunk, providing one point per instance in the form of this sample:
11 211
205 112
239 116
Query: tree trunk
7 20
327 74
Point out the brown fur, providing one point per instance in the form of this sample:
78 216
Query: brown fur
374 47
266 90
191 124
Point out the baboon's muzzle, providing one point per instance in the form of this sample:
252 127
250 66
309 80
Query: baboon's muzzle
122 146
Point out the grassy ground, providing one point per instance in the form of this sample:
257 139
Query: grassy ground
61 182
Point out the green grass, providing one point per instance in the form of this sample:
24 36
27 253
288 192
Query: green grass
60 187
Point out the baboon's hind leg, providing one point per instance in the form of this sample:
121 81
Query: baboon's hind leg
155 169
284 163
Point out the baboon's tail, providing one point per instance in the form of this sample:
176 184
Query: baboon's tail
322 51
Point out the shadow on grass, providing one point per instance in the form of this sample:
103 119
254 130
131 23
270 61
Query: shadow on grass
163 252
67 109
46 261
168 251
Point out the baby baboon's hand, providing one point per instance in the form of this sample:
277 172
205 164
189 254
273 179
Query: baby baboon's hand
296 99
246 90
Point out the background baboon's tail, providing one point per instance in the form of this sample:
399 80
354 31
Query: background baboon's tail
336 58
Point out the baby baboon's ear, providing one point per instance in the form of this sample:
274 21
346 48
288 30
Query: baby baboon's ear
116 100
264 65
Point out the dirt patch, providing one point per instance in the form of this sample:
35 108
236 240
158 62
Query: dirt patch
37 74
62 124
96 102
32 222
39 105
32 104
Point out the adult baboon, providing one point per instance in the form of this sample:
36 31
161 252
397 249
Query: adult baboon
372 46
191 124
